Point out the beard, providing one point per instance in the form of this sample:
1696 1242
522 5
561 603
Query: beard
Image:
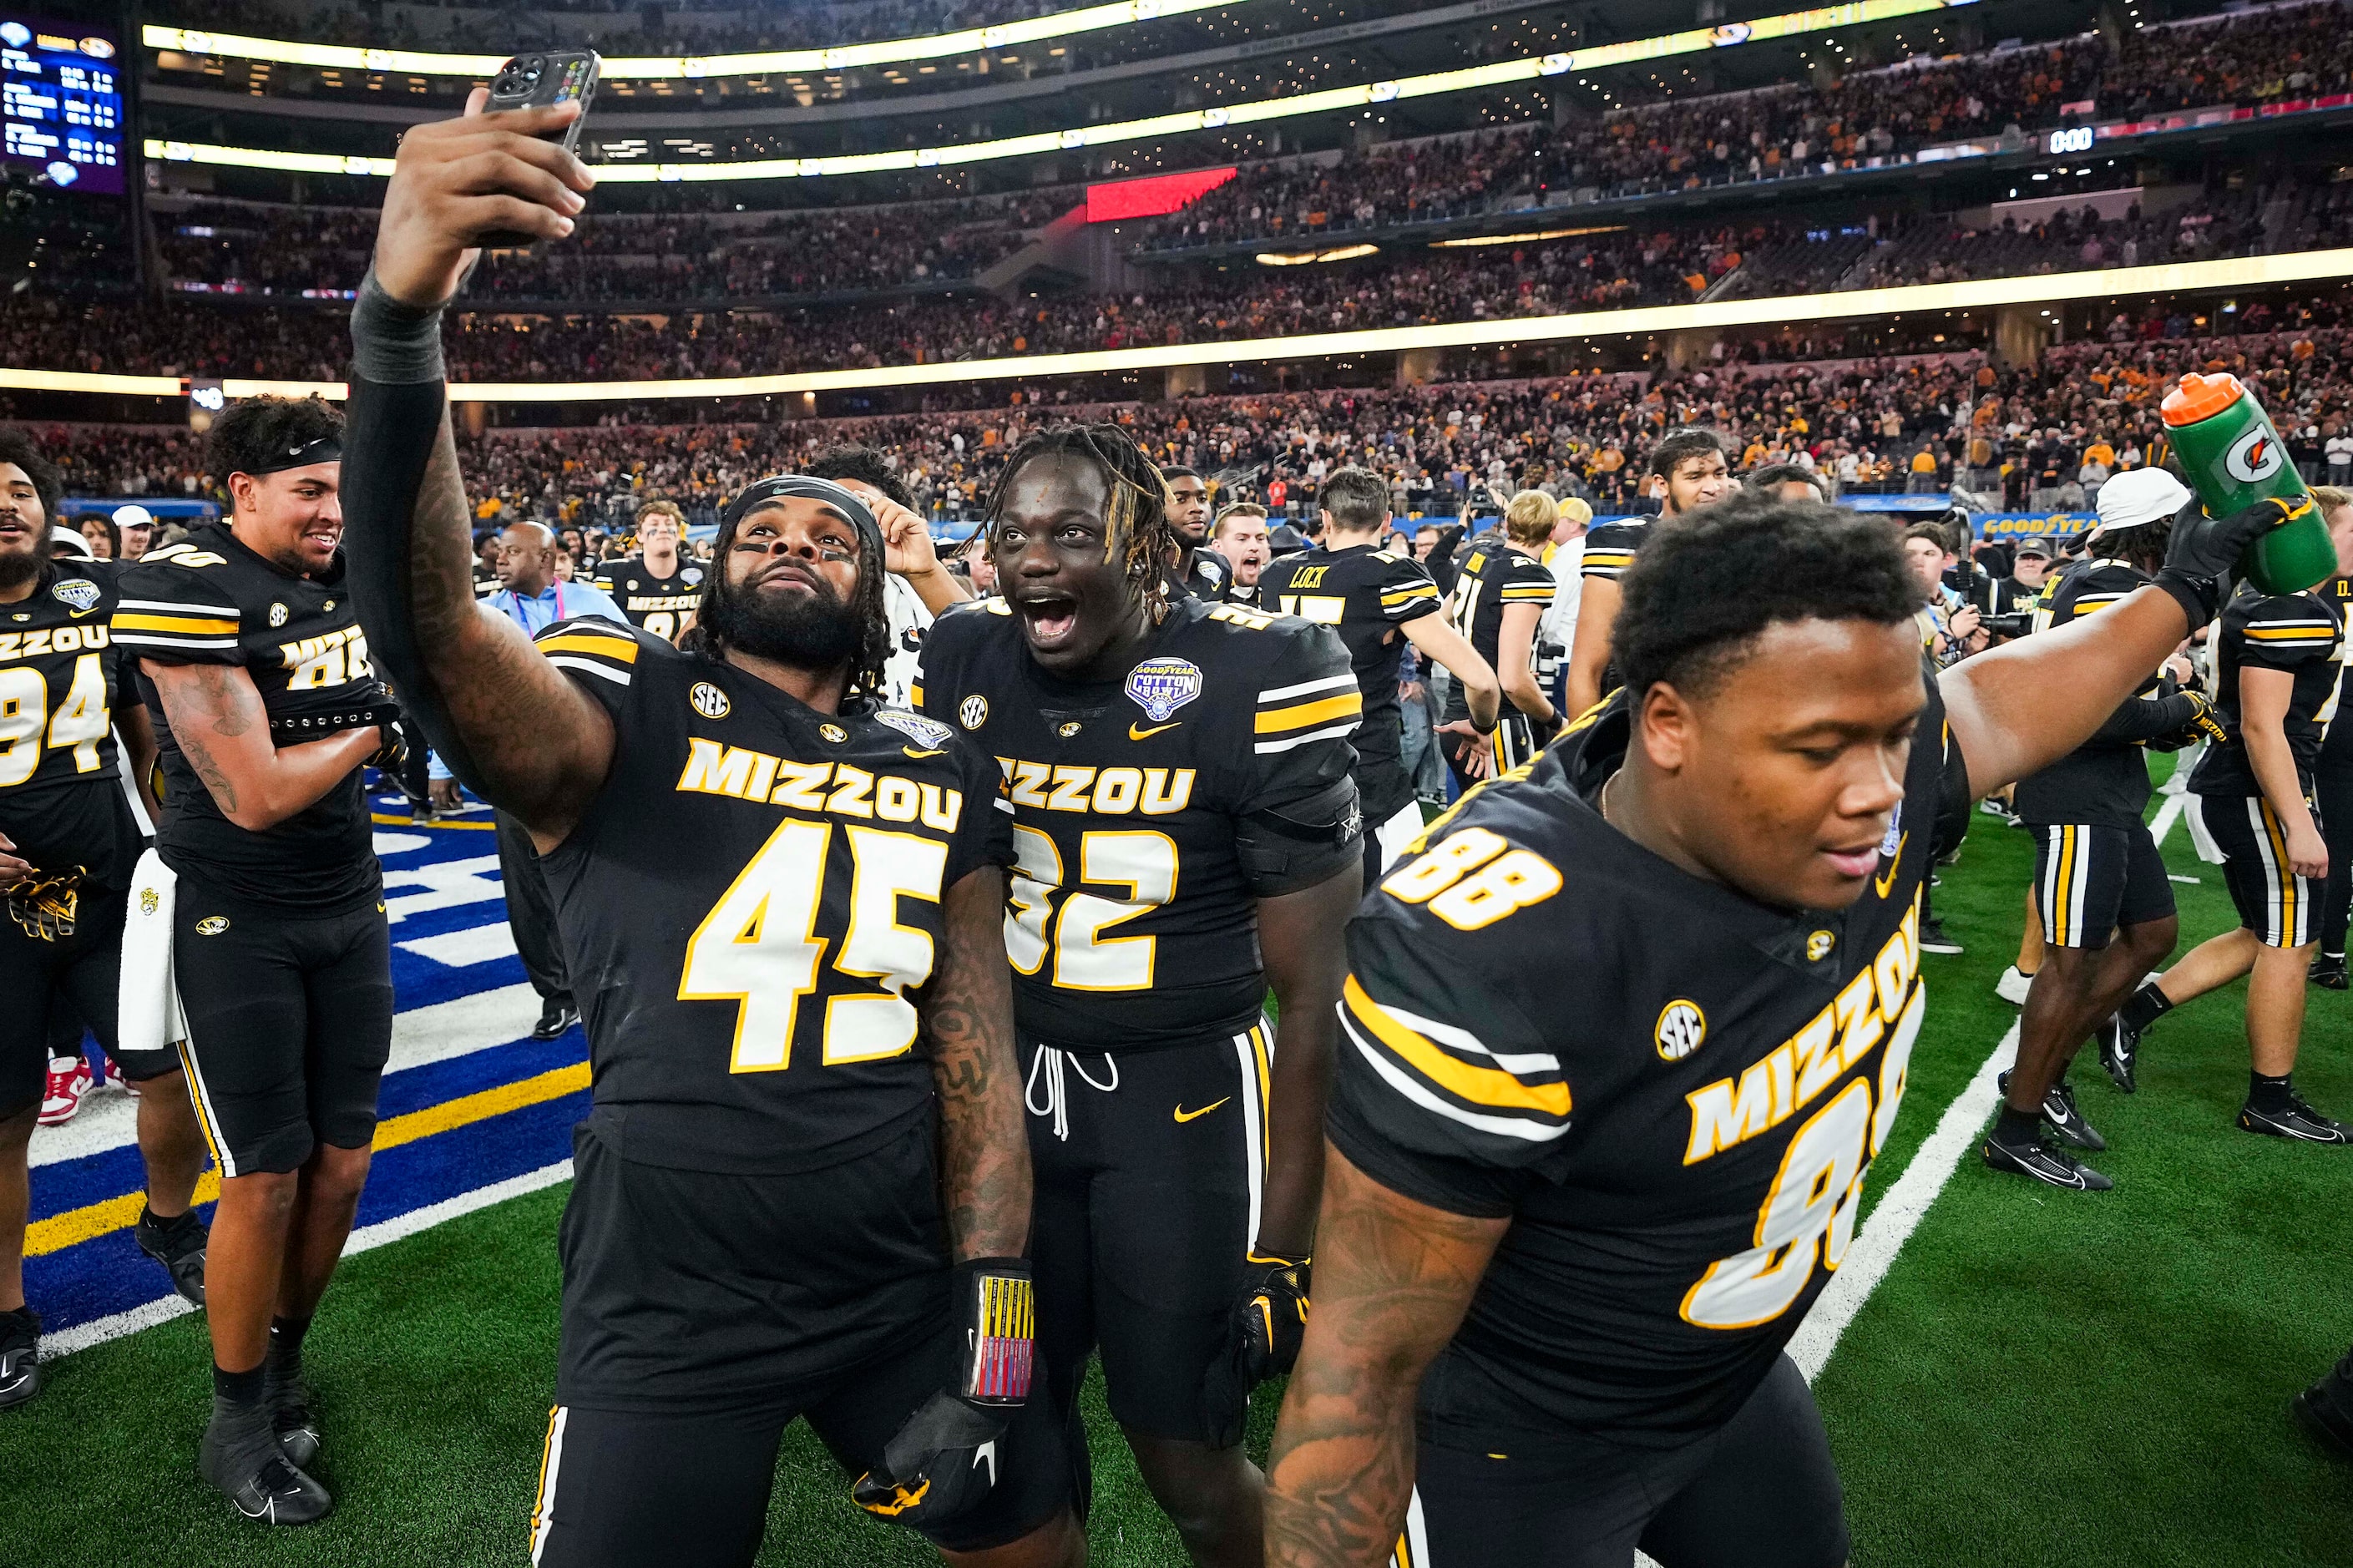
814 631
18 567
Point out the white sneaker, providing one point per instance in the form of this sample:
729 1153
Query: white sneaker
61 1098
2012 986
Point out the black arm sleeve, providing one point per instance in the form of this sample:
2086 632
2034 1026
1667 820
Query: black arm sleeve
2145 718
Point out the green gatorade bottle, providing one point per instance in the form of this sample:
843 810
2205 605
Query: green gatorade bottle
2232 458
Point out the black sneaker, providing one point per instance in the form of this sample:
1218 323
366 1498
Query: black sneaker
556 1016
2120 1051
20 1357
2325 1408
239 1458
2061 1115
1934 940
2328 971
2054 1167
287 1400
178 1244
2295 1120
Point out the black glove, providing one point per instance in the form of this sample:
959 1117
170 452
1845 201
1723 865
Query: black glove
943 1460
392 755
46 903
2204 551
2201 726
1267 1321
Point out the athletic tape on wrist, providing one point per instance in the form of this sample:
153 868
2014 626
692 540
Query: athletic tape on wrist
997 1303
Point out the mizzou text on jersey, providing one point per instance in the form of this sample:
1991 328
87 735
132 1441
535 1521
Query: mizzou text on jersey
1681 1156
1366 594
663 606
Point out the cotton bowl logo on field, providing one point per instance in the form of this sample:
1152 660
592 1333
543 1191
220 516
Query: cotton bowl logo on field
1162 686
1681 1028
2254 456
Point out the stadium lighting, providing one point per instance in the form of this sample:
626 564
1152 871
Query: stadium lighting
1219 118
1526 238
2234 273
1343 253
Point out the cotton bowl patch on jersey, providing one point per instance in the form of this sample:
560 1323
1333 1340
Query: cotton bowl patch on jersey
79 594
916 727
1162 686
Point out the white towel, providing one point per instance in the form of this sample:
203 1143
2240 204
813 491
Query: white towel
147 1005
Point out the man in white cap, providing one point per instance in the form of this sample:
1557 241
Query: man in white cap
2100 886
2277 668
136 526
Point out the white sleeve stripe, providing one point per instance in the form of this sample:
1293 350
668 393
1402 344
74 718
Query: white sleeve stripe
1460 1040
567 661
1004 806
1405 1085
165 639
1332 684
177 607
1341 731
2300 626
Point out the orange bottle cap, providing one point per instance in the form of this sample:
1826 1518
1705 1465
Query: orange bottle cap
2200 398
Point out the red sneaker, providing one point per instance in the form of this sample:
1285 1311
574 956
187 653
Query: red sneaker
69 1080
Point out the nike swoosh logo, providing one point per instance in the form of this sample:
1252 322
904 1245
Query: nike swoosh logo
1185 1115
1886 878
919 756
1136 734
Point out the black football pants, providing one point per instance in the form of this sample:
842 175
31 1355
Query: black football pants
2335 793
530 909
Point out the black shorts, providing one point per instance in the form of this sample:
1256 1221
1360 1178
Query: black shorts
703 1311
289 1024
69 981
1150 1169
2090 880
1759 1492
2281 908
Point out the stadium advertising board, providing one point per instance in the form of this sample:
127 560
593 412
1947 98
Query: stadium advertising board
2032 524
60 87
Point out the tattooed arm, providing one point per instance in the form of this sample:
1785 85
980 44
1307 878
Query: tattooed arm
216 716
1393 1278
967 1024
1303 940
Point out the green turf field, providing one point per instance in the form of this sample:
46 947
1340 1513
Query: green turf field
2041 1377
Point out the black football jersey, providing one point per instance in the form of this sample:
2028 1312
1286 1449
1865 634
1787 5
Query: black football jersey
749 973
2104 780
210 600
1610 547
661 604
62 800
1671 1091
1208 575
2299 633
1494 576
2337 745
1366 594
1131 917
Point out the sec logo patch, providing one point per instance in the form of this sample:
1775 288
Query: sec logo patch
277 613
972 712
708 700
1681 1028
212 925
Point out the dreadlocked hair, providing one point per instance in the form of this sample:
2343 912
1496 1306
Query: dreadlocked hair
1136 532
872 609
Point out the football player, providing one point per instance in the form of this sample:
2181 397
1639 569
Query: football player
248 651
1186 834
657 588
2278 670
919 587
1697 468
802 1187
2333 789
1583 1254
2096 870
68 844
1197 569
1372 596
1499 600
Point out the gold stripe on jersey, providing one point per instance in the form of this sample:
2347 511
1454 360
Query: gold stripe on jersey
1410 591
2317 633
1299 716
1603 562
187 626
604 646
1503 1086
1526 590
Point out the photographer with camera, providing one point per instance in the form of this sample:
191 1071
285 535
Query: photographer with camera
2100 885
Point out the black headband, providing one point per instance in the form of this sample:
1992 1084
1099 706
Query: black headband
325 449
841 496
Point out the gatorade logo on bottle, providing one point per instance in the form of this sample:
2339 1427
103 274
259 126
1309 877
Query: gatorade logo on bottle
2253 458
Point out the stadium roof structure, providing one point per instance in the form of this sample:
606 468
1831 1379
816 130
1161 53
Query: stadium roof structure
1978 294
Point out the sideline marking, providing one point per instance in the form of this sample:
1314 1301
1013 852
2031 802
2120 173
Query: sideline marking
97 1331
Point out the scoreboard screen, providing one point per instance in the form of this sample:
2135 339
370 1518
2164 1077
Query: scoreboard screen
63 102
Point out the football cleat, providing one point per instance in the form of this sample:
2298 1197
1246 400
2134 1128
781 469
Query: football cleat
557 1015
249 1467
2295 1120
2120 1051
2053 1167
2325 1408
1934 940
2328 971
178 1244
2014 986
61 1097
287 1400
2061 1115
20 1357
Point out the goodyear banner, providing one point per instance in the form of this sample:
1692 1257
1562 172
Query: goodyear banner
2032 524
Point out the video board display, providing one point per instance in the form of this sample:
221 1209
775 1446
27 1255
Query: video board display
61 91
